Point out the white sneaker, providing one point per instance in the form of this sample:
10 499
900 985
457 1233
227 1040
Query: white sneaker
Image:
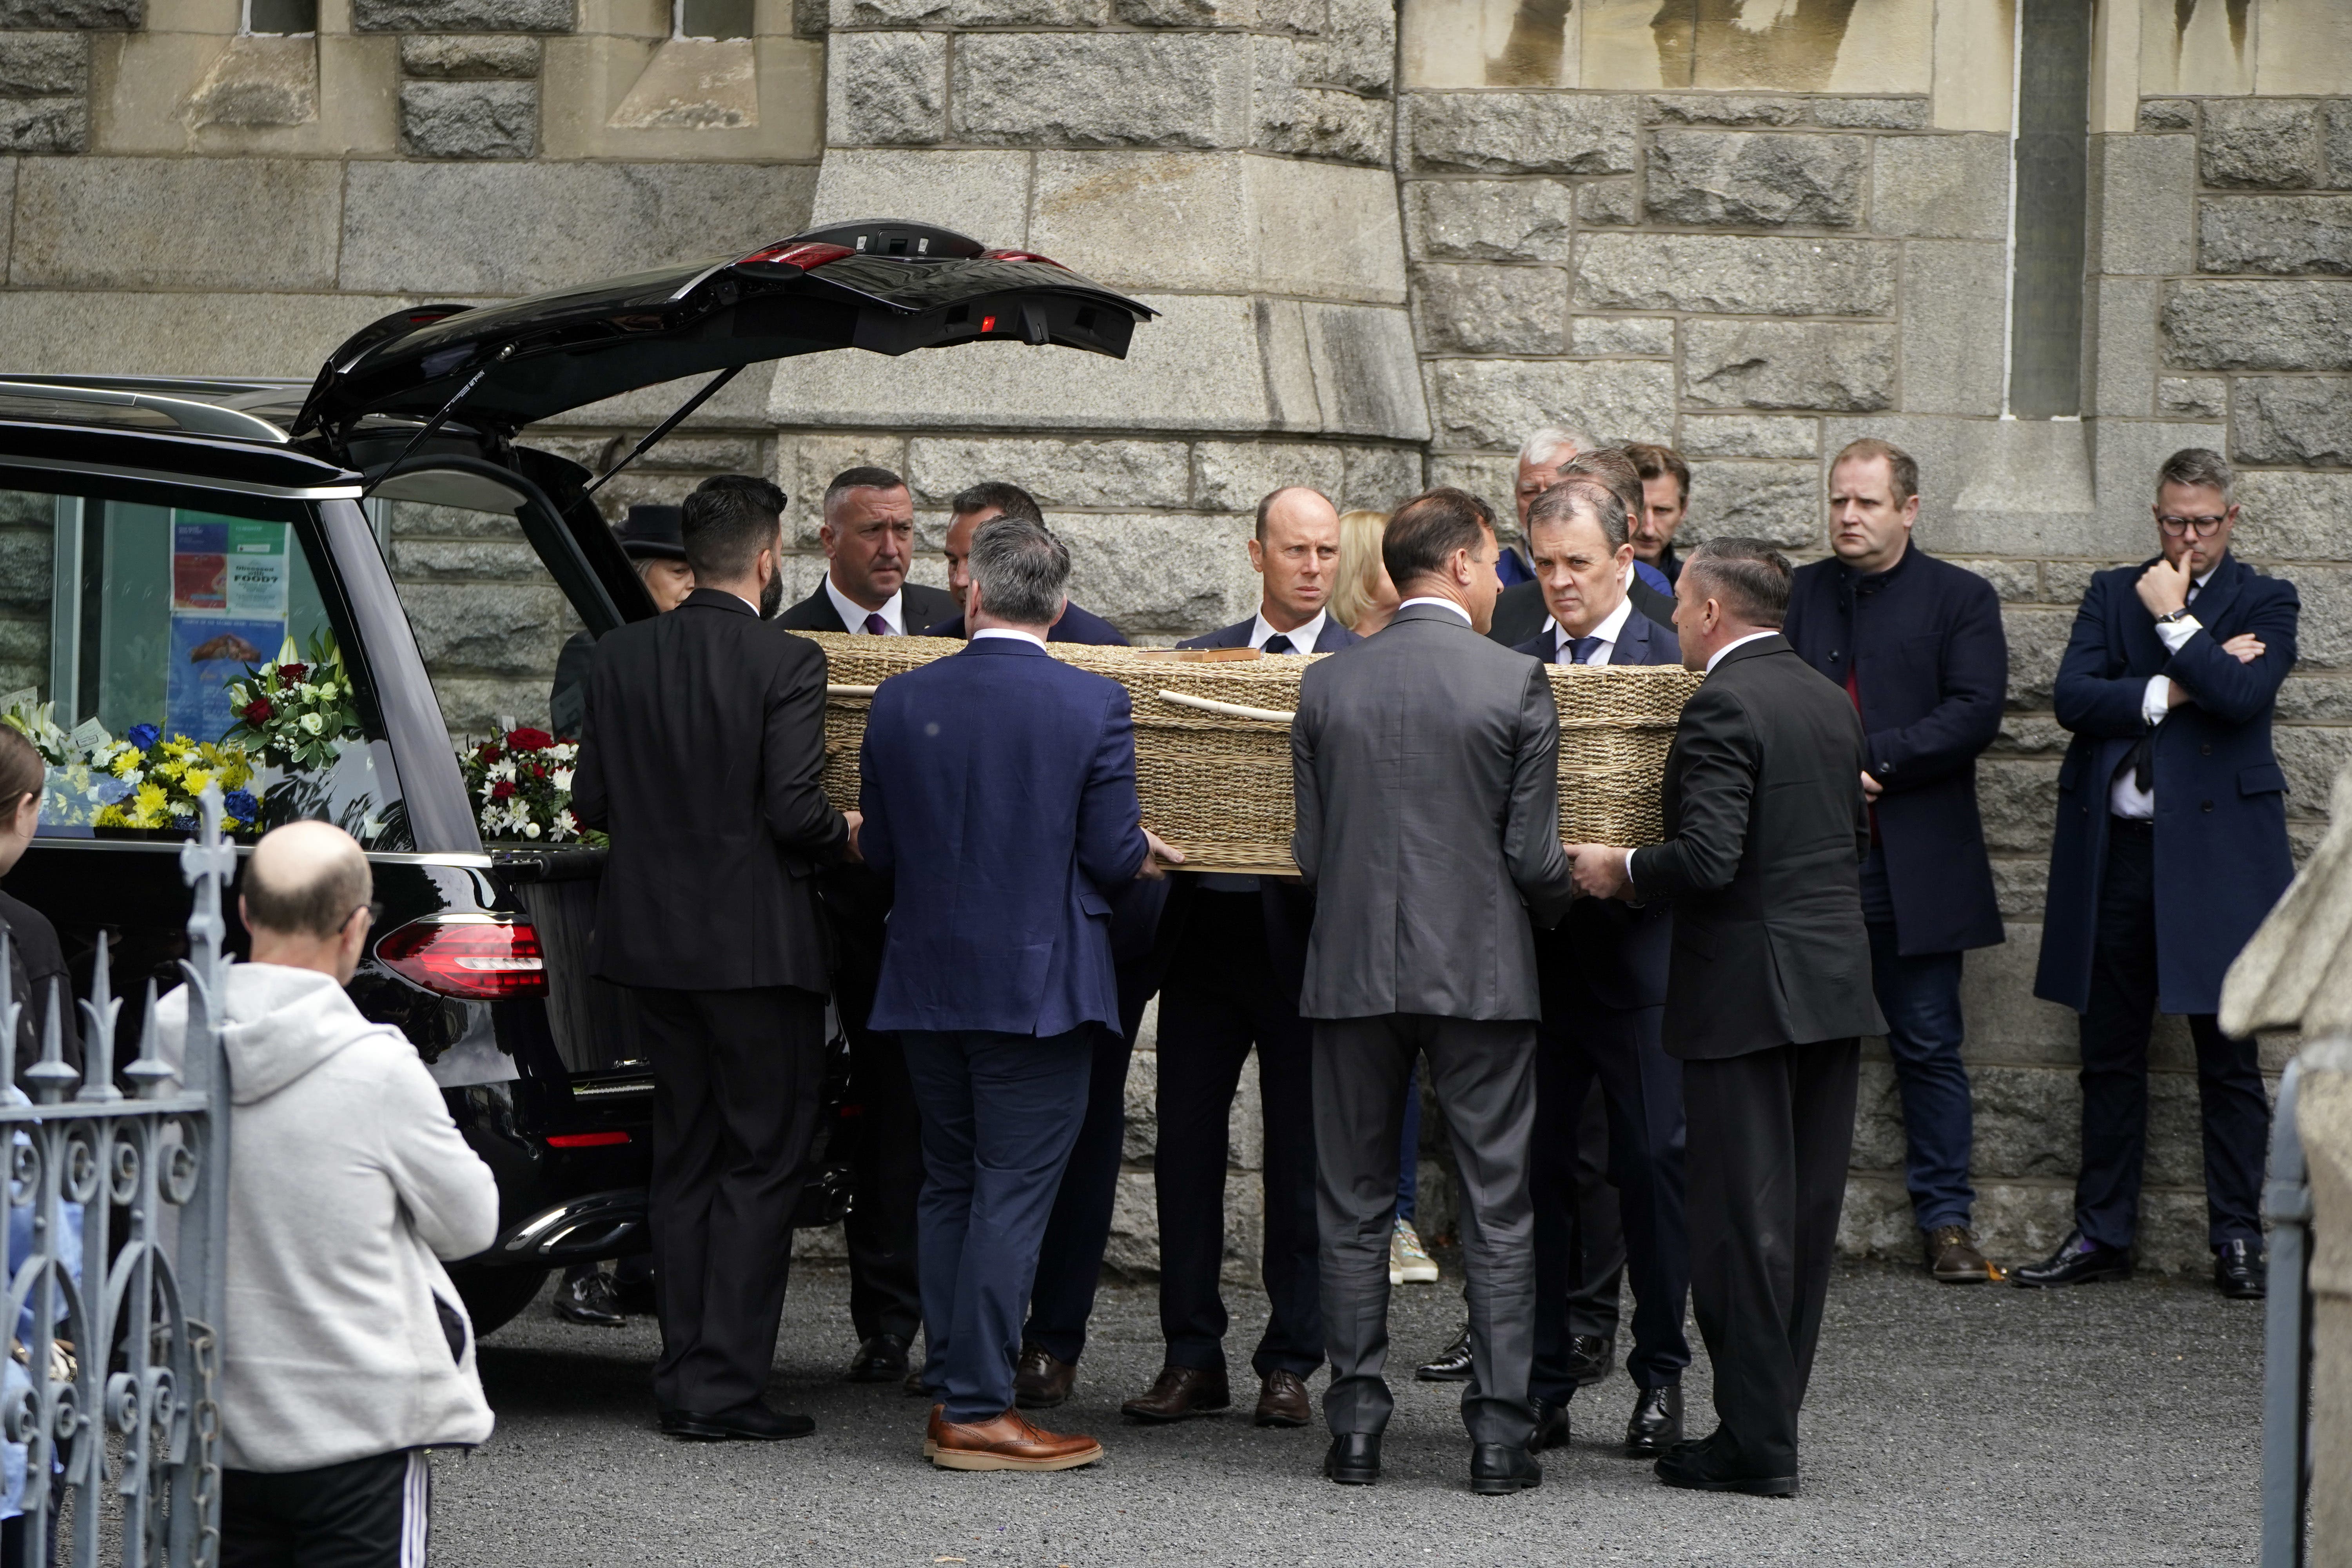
1408 1262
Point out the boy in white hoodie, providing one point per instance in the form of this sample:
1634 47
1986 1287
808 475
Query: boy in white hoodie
345 1351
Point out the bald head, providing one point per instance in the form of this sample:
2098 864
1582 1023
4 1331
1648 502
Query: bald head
1296 551
304 880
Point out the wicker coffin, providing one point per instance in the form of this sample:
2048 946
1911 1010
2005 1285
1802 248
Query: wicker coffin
1216 784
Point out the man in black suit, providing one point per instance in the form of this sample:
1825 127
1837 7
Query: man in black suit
1603 973
1237 945
976 504
700 754
1768 994
869 535
1918 645
1519 613
1665 505
1426 766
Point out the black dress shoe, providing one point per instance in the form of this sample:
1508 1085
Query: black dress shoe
586 1297
2240 1272
882 1358
1699 1467
1354 1460
1451 1363
1498 1469
2078 1261
1589 1356
754 1422
1656 1423
1551 1427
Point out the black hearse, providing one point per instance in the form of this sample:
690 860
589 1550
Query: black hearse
158 537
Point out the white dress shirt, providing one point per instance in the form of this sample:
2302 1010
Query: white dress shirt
1009 632
1737 642
1611 627
853 614
1441 604
2125 797
1302 639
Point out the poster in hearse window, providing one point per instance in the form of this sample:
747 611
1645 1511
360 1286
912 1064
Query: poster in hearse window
163 648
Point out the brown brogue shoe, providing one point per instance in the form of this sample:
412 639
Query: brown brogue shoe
1180 1394
932 1432
1041 1380
1953 1257
1006 1442
1283 1400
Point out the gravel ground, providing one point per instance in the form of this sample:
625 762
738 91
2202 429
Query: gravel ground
2111 1423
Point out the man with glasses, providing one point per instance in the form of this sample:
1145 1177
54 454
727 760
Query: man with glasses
2171 847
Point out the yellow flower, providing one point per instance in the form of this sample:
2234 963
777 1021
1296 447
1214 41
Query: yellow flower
194 781
150 800
127 764
177 746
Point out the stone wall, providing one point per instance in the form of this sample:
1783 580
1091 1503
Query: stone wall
1385 241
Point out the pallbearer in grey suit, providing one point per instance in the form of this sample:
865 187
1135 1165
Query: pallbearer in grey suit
1424 762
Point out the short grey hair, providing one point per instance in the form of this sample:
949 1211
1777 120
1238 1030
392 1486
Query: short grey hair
1580 497
1541 446
2198 465
1021 570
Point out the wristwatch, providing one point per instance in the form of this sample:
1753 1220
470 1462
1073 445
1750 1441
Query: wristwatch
2169 616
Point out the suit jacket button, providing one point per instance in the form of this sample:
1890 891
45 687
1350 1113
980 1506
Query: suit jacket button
2205 805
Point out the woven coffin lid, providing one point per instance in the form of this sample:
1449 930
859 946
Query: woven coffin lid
1218 785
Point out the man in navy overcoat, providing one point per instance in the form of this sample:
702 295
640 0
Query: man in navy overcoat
2171 847
1917 643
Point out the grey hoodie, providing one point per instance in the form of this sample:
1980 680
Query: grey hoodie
348 1185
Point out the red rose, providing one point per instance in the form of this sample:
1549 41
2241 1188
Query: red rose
489 753
539 770
291 675
502 790
257 713
528 740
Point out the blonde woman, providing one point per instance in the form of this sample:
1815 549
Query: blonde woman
1365 598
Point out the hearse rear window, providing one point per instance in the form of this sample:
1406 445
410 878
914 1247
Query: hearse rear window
147 649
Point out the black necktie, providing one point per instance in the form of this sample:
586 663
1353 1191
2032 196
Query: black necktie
1582 650
2141 757
1277 643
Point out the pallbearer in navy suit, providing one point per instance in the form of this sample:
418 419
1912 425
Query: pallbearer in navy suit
999 790
1604 977
1238 950
2171 847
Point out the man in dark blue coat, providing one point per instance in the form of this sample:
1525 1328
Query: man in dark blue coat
1237 948
1916 643
2171 847
974 505
1602 975
999 792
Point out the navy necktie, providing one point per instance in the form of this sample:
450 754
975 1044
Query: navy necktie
1277 643
1582 650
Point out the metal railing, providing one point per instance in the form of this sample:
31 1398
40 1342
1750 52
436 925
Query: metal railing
2286 1349
119 1210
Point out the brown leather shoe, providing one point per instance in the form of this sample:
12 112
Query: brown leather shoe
1180 1393
1283 1400
1041 1380
1006 1442
1953 1257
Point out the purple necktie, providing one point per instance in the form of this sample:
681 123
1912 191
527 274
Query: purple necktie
876 624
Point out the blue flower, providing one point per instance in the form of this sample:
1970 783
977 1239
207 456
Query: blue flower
241 804
143 735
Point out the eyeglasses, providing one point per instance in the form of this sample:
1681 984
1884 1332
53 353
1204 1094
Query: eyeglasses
2204 527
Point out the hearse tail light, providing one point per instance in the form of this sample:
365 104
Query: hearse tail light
478 958
1019 255
806 256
